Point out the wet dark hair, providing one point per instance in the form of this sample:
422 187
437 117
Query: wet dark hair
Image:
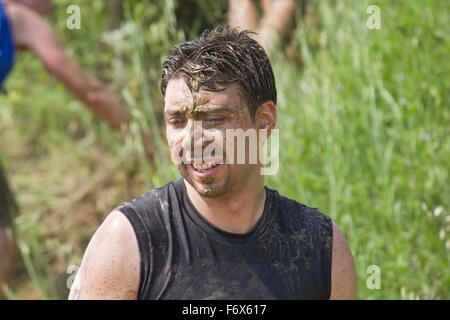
221 56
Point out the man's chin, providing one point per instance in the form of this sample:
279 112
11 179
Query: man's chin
208 186
209 189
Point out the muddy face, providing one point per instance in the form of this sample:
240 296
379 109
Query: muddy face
216 111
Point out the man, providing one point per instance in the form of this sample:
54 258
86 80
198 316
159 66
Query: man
218 232
22 27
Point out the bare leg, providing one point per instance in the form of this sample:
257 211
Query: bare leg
266 4
278 15
242 14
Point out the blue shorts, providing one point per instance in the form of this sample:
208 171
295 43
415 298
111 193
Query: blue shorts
7 49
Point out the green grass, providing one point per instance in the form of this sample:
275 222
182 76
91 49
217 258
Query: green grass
364 128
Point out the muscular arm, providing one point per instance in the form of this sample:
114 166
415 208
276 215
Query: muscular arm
111 264
32 32
343 274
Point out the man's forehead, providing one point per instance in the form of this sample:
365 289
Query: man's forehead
178 95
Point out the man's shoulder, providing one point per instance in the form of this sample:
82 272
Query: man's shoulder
156 198
293 207
308 222
294 212
150 213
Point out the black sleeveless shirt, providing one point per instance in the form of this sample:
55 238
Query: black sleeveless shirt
287 255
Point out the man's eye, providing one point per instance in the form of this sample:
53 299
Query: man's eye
176 122
214 121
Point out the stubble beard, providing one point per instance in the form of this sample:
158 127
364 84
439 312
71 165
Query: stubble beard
210 187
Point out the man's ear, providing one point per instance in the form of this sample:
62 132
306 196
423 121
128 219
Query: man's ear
266 116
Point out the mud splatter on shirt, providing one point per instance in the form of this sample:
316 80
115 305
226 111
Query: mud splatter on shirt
286 256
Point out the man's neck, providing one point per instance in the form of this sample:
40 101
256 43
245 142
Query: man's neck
236 213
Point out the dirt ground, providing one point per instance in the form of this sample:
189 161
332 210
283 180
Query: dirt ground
63 195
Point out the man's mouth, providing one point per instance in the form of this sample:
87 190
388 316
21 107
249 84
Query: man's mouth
205 168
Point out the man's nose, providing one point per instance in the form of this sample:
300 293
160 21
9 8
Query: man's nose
193 134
